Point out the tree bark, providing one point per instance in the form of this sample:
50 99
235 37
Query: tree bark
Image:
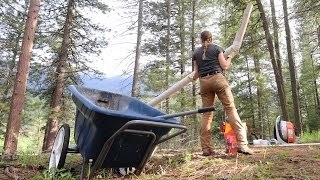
318 32
259 94
19 91
294 86
52 125
182 35
182 62
315 80
317 103
282 98
250 90
135 89
168 60
194 95
194 99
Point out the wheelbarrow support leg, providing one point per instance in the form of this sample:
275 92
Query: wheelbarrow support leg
84 168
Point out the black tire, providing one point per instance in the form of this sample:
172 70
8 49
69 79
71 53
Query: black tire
60 147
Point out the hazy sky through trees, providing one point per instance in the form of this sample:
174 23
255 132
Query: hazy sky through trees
118 56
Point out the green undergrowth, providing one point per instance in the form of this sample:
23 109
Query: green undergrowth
310 137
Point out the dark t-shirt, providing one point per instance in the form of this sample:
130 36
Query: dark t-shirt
211 62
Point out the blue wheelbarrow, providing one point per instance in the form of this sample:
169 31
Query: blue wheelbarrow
114 131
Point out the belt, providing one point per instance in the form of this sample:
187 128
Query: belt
210 73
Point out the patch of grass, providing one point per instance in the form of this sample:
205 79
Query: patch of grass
283 154
311 148
173 162
246 175
177 161
189 170
317 156
303 173
73 159
56 174
262 171
30 145
153 177
310 137
187 157
40 159
214 161
243 159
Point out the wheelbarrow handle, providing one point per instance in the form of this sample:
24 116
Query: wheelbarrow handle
206 109
201 110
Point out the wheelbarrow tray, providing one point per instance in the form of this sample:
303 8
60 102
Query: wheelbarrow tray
126 129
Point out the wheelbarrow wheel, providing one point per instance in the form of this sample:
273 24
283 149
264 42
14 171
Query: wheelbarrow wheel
60 147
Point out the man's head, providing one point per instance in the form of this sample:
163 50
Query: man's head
206 39
206 36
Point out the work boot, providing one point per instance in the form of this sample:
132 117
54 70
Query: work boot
244 149
207 152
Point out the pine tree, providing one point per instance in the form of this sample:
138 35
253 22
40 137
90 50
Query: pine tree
19 90
78 41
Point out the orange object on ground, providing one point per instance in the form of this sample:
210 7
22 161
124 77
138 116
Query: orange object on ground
230 138
290 132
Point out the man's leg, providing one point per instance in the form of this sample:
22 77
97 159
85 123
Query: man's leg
226 98
205 130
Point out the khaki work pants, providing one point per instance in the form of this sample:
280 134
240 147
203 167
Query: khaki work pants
218 85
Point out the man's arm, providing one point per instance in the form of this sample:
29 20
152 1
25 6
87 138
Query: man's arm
196 73
224 62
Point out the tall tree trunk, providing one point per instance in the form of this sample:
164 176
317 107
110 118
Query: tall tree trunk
294 87
182 35
250 90
269 124
135 89
317 103
272 53
259 93
194 99
306 104
318 32
168 60
315 80
194 95
283 101
52 125
19 91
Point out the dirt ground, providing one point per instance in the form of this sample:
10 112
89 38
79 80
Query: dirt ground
301 162
298 162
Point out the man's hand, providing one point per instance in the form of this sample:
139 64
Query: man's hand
231 55
196 75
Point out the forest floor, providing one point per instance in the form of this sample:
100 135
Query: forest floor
273 162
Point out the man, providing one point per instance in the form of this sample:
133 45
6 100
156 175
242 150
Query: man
209 62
